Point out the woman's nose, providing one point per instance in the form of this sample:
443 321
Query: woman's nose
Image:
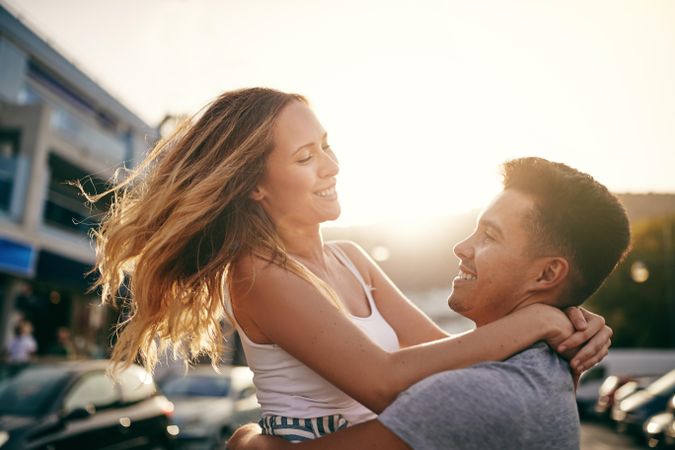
329 165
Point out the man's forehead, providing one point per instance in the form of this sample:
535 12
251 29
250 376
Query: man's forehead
508 207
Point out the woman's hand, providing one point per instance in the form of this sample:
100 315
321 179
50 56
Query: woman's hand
589 344
578 335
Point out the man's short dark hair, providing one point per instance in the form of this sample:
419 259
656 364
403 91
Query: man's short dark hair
575 217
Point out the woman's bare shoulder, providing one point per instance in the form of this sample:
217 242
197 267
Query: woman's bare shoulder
259 280
253 276
356 254
257 289
249 264
353 250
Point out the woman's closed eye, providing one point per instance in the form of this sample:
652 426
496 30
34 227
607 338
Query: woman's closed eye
305 157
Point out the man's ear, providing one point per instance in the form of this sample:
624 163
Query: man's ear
257 194
553 272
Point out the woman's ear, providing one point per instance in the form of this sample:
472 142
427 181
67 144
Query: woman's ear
553 272
257 194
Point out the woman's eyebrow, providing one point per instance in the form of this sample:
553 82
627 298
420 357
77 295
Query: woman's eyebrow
309 144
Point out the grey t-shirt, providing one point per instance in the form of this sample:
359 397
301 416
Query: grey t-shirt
525 402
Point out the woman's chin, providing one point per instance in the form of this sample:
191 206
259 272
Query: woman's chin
329 215
336 214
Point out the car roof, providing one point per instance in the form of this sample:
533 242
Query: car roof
207 369
238 375
76 366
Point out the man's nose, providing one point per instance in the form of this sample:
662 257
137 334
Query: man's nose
464 249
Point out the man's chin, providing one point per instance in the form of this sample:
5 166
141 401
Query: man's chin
457 305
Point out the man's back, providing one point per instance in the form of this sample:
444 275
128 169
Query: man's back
526 402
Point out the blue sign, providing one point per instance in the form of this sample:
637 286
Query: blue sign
17 258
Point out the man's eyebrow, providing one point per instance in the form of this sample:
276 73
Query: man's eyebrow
492 225
309 144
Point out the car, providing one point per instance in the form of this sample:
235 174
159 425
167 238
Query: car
615 388
669 429
77 405
655 427
633 411
211 405
636 362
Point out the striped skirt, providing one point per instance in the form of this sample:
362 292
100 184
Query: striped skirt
298 430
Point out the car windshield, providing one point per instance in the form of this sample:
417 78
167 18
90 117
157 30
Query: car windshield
197 386
30 392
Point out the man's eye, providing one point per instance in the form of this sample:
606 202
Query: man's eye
487 236
305 159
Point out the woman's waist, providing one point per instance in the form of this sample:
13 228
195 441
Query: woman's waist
302 407
307 387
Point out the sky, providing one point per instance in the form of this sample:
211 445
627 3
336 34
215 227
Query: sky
422 100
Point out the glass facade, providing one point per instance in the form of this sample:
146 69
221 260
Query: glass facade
9 150
65 207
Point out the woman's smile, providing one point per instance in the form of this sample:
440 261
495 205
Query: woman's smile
328 194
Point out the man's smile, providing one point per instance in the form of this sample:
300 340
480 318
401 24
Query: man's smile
466 276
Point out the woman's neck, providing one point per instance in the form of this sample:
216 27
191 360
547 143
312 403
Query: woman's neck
305 244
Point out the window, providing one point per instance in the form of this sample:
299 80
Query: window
29 96
198 386
9 149
136 384
32 392
95 389
66 208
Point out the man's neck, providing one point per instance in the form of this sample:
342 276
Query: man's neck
504 310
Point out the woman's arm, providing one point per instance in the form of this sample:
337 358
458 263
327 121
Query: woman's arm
412 326
585 348
288 311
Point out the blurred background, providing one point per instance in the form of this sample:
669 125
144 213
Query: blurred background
421 101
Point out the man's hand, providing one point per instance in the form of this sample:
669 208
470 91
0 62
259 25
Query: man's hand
589 344
249 437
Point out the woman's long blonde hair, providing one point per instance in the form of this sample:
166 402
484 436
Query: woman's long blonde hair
178 221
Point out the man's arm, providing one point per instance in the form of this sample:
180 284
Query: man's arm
371 435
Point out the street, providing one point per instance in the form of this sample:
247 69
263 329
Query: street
599 436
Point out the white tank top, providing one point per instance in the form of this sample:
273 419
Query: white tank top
287 387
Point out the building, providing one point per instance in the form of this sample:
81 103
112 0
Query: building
56 125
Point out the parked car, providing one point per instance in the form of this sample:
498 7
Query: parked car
633 411
669 432
76 405
211 405
617 387
655 427
636 362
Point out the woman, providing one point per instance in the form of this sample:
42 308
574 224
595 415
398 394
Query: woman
234 202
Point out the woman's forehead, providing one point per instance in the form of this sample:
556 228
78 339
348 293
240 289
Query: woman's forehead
296 126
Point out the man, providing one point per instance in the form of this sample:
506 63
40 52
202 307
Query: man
551 236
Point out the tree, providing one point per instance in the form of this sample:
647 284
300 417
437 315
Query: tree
638 299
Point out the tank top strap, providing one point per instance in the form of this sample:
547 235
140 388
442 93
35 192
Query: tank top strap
344 259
